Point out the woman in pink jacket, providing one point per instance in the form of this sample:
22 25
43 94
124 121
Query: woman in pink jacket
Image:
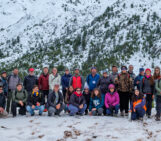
112 101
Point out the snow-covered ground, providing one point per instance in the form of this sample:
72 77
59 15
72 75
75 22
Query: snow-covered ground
84 128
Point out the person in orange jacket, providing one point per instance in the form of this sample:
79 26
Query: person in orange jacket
138 107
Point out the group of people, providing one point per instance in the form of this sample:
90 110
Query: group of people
97 95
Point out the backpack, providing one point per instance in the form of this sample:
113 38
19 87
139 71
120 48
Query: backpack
159 81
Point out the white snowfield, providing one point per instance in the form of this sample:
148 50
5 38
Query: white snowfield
79 128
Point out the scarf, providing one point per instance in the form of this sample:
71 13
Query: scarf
78 94
35 93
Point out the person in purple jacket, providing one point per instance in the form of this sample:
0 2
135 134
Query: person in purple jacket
112 101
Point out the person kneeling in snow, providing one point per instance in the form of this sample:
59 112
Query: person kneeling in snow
138 107
77 103
55 101
35 101
3 113
19 99
112 101
96 103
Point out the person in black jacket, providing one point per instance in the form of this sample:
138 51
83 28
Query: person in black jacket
87 95
65 81
77 103
3 113
104 82
30 81
147 88
35 101
55 101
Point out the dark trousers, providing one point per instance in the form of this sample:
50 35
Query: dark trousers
140 112
9 99
22 110
124 101
149 103
45 94
64 93
158 105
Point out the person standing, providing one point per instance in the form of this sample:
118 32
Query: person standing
156 76
124 82
87 96
114 74
92 79
43 83
139 78
158 98
147 88
30 81
65 81
77 81
104 82
131 72
3 113
133 76
13 80
54 78
5 83
157 73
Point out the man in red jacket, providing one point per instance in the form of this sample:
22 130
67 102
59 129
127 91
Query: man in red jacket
77 81
43 83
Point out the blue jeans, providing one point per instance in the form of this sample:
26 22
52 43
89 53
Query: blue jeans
109 111
73 109
140 112
31 111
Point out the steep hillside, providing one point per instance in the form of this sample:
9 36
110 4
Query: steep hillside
81 33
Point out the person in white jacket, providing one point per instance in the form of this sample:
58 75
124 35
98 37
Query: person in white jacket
54 78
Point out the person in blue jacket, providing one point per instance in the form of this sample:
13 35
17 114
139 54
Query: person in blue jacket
96 103
65 81
5 83
92 79
139 78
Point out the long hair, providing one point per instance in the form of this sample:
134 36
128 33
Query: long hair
156 76
93 93
135 98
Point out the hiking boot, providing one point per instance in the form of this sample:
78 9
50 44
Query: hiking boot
126 114
157 118
149 116
122 114
115 115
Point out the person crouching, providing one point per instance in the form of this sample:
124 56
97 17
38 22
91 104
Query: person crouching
96 103
138 107
55 101
77 104
35 101
112 101
19 99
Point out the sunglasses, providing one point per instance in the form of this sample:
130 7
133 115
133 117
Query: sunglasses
78 90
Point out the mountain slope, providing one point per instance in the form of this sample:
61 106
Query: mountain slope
83 33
